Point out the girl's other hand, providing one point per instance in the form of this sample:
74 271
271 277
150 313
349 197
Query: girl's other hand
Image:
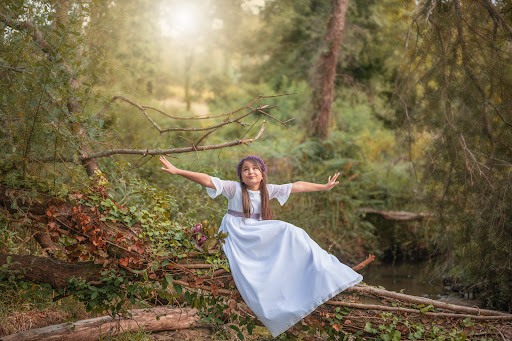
169 168
332 181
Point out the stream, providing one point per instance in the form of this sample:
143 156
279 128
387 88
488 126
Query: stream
418 279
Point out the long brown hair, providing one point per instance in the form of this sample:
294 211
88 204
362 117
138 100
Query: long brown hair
266 212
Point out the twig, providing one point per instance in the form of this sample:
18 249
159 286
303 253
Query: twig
267 114
195 266
257 136
193 145
364 263
204 136
205 287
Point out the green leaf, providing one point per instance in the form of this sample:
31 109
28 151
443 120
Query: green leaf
178 288
188 297
232 326
430 307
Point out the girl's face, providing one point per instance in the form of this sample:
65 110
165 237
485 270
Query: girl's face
251 175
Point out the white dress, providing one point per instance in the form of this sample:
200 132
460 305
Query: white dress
280 272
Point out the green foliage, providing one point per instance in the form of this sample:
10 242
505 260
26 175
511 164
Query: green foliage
456 95
398 328
114 294
51 97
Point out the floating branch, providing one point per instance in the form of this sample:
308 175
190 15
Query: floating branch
151 152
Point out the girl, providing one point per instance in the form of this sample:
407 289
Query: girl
280 272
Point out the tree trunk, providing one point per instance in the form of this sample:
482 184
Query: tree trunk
154 319
52 271
324 72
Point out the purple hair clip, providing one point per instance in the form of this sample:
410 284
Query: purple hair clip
250 157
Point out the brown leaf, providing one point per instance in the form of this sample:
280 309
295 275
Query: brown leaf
120 238
137 247
124 261
215 289
336 327
232 304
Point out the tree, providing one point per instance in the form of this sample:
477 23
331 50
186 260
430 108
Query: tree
324 72
456 91
55 82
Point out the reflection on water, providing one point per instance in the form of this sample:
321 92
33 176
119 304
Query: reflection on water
415 279
419 279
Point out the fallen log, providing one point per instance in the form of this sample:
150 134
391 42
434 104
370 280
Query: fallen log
49 270
154 319
379 307
396 215
427 301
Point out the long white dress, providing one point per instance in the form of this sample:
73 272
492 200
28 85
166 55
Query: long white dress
280 272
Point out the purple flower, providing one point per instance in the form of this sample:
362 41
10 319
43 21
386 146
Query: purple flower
197 228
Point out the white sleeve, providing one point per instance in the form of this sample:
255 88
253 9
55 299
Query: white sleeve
226 188
280 192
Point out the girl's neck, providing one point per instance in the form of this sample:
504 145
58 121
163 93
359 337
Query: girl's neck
254 188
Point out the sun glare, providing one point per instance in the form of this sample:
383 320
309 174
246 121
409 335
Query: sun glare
181 20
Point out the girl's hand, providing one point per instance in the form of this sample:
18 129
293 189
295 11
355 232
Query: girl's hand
332 181
169 168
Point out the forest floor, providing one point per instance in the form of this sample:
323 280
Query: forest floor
356 324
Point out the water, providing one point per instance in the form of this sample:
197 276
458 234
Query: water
418 279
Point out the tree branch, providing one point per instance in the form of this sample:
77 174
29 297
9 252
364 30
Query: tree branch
152 152
417 311
144 107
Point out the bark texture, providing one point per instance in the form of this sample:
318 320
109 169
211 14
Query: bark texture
52 271
154 319
324 72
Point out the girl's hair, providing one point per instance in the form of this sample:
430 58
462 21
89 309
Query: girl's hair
266 212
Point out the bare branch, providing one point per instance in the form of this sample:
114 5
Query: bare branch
153 152
257 136
267 114
364 263
144 107
205 136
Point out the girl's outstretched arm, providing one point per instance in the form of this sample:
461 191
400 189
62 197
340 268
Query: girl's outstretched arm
201 178
302 186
